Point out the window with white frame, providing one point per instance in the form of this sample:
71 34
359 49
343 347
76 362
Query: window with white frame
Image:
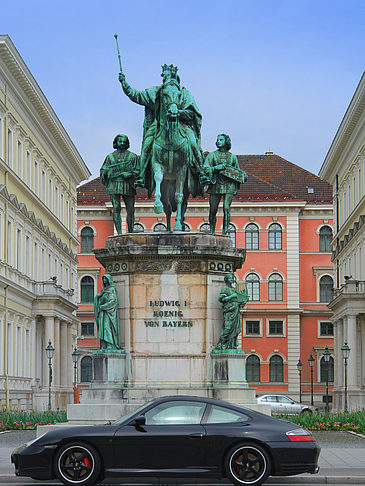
29 167
276 327
252 285
275 287
138 228
275 237
87 289
9 244
252 237
253 368
325 288
27 353
326 367
20 159
28 256
276 369
325 239
87 239
19 351
252 327
10 148
205 228
19 238
326 328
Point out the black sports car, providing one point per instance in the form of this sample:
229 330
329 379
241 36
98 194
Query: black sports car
178 436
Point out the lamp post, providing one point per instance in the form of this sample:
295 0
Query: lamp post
50 353
326 356
300 367
75 356
311 364
345 355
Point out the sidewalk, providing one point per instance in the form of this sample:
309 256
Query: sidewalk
338 465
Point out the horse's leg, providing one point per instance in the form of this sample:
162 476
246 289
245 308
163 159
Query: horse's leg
158 176
179 191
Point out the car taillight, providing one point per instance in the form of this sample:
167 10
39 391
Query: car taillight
300 435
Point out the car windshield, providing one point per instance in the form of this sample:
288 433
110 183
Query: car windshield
126 417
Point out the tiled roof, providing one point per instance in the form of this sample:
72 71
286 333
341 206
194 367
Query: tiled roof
270 178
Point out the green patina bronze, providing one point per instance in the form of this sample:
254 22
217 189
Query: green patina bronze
225 176
107 316
118 174
171 155
231 298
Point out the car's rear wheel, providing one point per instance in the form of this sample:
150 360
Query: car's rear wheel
306 410
248 464
77 463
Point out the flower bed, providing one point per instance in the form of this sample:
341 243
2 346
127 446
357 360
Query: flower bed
354 421
17 420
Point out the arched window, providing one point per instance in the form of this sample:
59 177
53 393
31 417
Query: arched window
275 287
86 369
323 369
205 228
159 228
325 288
87 240
252 285
275 237
87 289
325 238
232 234
138 228
186 227
253 368
252 237
276 369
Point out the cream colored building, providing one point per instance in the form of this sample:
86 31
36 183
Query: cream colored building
39 171
344 168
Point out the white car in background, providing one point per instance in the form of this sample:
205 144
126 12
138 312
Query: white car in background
285 405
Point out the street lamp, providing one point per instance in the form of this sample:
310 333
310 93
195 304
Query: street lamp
300 367
311 364
75 356
326 356
345 355
50 353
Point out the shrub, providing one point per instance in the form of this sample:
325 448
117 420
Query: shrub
354 421
18 420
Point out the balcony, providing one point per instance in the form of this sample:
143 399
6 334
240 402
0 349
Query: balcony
350 287
51 289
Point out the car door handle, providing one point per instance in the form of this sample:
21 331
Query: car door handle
199 435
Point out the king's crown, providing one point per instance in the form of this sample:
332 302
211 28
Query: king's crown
170 67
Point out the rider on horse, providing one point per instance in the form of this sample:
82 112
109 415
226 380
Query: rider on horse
189 116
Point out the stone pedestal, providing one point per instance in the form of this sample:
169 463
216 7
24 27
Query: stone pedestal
170 319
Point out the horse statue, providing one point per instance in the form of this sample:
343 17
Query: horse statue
171 156
170 159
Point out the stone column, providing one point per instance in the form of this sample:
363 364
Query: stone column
352 361
48 336
57 354
63 353
68 357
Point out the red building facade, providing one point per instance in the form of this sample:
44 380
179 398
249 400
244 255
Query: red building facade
282 216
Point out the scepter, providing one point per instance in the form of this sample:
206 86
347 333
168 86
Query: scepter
120 60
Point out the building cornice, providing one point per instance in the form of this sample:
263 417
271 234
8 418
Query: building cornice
344 133
23 77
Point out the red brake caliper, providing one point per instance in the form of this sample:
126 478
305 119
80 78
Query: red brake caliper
87 462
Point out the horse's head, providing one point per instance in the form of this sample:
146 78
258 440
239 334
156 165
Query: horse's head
171 93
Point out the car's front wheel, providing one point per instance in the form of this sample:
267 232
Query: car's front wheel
77 464
248 464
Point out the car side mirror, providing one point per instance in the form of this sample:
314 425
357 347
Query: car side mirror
140 420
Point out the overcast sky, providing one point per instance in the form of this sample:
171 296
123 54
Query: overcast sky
274 74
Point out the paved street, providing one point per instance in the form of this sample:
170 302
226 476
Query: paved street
342 461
